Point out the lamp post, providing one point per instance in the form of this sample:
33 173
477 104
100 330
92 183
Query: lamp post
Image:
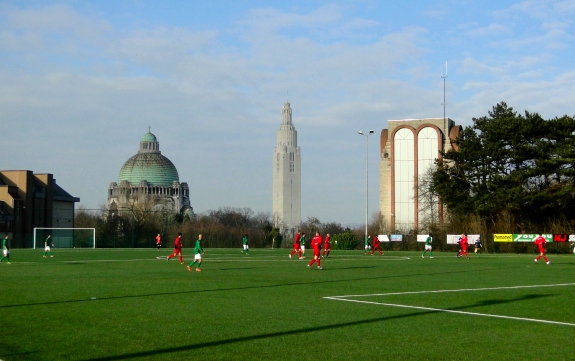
366 176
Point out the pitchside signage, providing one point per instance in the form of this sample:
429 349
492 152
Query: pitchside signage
561 237
502 238
422 237
531 237
396 237
454 238
383 238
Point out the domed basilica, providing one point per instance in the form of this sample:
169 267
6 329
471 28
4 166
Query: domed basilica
150 180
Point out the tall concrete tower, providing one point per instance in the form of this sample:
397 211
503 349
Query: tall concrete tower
287 176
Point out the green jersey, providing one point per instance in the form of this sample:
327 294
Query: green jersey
245 240
428 241
5 243
198 248
302 241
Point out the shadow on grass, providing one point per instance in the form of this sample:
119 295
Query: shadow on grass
356 267
233 269
14 354
303 330
242 288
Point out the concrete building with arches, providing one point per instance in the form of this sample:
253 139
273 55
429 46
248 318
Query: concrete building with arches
408 150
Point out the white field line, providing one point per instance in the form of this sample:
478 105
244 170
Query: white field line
458 290
454 311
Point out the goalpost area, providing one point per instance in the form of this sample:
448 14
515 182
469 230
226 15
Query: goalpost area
65 237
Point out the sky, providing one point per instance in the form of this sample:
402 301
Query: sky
81 81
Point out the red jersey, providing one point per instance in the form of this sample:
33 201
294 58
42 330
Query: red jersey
327 242
316 242
540 242
464 242
375 241
297 237
158 239
178 243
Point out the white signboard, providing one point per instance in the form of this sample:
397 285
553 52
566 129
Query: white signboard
383 238
422 237
454 238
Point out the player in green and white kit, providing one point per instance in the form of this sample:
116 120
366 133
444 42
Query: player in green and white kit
246 249
428 241
5 250
302 246
47 246
198 252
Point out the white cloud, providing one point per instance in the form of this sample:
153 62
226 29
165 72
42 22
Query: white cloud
489 31
473 66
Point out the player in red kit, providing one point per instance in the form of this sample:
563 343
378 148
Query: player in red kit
177 248
540 243
326 246
296 244
316 245
463 243
376 246
159 241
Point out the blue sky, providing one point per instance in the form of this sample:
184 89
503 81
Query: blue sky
80 81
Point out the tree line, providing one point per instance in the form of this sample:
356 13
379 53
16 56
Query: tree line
137 227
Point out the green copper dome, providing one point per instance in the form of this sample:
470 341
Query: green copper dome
149 137
149 165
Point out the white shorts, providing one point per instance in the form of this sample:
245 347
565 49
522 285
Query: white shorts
303 248
246 247
6 252
47 249
197 256
428 247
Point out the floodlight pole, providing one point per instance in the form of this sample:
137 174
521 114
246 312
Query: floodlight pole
366 177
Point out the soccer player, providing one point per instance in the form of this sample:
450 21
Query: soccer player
302 246
158 241
296 244
177 248
428 241
540 243
246 247
47 246
326 246
316 244
376 246
367 244
573 246
5 250
478 245
463 243
198 252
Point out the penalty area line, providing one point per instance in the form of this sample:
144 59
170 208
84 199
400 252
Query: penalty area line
454 311
457 290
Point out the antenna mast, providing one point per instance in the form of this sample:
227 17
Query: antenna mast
443 102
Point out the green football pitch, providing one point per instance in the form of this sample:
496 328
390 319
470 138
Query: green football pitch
126 304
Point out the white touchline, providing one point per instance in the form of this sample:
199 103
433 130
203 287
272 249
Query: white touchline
459 290
454 311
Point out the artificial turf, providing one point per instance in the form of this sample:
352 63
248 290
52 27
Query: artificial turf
131 304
